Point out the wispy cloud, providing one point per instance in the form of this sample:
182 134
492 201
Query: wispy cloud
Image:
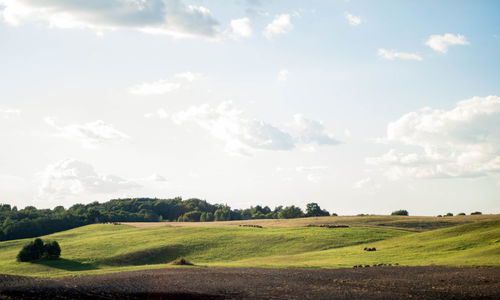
9 112
393 54
70 177
283 75
171 17
462 142
352 19
280 25
242 135
240 28
441 43
164 86
89 135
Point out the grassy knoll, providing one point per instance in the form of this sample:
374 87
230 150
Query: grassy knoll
476 244
114 248
409 223
102 248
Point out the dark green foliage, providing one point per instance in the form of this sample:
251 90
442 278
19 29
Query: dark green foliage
31 222
52 250
313 210
206 217
449 215
37 249
291 212
400 212
192 216
182 262
476 213
461 214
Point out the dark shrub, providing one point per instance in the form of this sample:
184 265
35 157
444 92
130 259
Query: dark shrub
182 262
476 213
449 215
461 214
52 250
439 216
400 212
37 249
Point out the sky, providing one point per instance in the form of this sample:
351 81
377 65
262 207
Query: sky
359 106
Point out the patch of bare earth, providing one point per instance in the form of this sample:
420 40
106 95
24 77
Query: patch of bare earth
253 283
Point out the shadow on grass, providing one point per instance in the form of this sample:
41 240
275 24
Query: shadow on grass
159 255
65 264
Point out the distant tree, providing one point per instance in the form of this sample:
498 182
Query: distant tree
400 212
313 210
207 217
222 214
52 250
291 212
37 249
461 214
476 213
192 216
449 215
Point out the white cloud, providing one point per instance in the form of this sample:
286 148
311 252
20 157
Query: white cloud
441 43
314 178
164 86
170 17
89 135
153 178
280 25
243 136
239 134
310 168
160 113
353 20
70 177
241 28
461 142
392 54
283 75
309 131
367 183
9 113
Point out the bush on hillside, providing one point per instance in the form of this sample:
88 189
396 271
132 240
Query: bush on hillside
449 215
401 212
182 262
461 214
476 213
37 249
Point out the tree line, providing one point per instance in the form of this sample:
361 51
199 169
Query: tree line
31 222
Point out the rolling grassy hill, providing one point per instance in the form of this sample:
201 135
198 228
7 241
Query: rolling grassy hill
113 248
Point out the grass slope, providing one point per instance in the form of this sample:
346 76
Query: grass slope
115 248
107 248
476 244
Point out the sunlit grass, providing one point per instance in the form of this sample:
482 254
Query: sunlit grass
114 248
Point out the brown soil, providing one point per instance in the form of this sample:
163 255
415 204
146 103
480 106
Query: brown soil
253 283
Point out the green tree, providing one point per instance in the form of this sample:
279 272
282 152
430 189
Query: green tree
313 210
291 212
400 212
222 214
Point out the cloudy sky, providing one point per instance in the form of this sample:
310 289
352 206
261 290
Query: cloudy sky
360 106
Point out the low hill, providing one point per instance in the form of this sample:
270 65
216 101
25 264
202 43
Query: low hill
106 248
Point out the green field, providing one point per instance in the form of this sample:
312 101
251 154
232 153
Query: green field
107 248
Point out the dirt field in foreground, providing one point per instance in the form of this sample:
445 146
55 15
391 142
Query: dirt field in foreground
218 283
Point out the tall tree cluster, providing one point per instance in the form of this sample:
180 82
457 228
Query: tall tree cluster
31 222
